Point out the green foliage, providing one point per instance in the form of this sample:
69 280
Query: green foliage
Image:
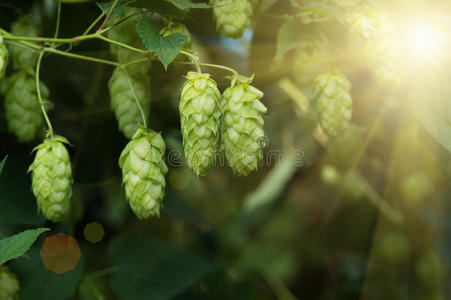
291 35
166 48
149 268
118 9
186 4
16 245
2 164
39 283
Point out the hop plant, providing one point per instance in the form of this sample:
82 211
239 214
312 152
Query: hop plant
177 28
373 33
123 99
22 57
199 118
9 285
52 178
4 57
333 102
232 16
23 111
242 126
143 170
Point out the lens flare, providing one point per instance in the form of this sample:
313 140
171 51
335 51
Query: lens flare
424 40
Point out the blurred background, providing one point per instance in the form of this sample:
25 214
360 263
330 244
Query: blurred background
366 216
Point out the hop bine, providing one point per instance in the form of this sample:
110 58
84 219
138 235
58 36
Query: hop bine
123 99
24 58
143 170
242 126
22 107
333 102
52 178
232 16
199 118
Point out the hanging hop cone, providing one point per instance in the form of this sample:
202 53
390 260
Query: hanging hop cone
22 108
374 35
333 102
199 118
232 16
143 170
123 100
52 178
24 58
9 284
4 58
125 32
242 126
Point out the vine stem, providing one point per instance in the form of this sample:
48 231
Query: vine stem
93 24
58 20
194 58
110 11
143 115
234 72
38 91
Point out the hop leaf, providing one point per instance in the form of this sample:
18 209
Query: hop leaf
9 284
4 57
333 102
232 16
143 170
242 127
24 58
373 33
177 28
123 101
199 118
52 178
23 111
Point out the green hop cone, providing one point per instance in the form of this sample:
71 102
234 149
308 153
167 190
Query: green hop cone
333 102
4 57
373 33
242 127
125 33
123 100
22 108
52 178
199 118
232 16
143 170
24 58
9 284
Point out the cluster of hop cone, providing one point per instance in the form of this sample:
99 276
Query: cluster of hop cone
209 121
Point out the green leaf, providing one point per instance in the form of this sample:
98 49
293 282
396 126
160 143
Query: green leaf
184 4
2 164
16 245
38 283
166 48
149 268
161 7
118 9
292 34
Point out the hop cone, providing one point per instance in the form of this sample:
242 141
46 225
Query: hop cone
232 16
125 32
9 285
199 118
52 178
22 57
374 35
23 111
143 170
4 57
310 59
242 127
333 102
123 100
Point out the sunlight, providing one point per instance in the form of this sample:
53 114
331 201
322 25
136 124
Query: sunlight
424 40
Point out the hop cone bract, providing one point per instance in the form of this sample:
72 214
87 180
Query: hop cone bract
123 99
242 127
4 58
143 170
199 118
333 102
232 16
23 111
52 178
24 58
9 285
